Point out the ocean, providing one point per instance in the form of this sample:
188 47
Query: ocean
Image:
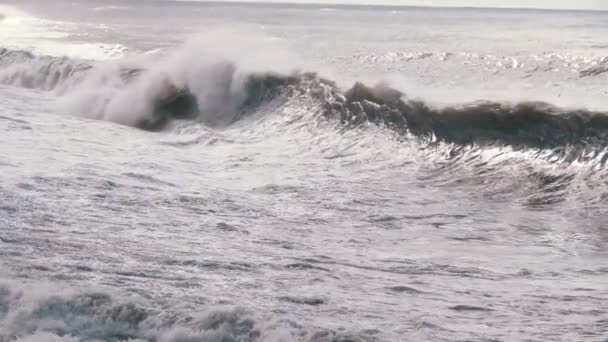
179 171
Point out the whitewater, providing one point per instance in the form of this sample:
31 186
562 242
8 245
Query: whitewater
324 173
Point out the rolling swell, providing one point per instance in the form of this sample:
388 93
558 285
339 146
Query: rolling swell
530 124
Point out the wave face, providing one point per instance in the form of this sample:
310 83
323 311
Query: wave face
522 124
527 124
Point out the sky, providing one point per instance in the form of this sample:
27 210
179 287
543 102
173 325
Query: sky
558 4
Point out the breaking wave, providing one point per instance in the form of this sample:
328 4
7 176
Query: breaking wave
209 88
24 69
42 312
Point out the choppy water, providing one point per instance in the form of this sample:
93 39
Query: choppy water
296 206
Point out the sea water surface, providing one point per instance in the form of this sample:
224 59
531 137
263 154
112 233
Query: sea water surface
354 173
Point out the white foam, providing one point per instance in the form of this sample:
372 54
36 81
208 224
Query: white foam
213 66
19 30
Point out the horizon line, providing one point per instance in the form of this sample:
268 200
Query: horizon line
299 3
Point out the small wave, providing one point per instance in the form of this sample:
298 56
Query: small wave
24 69
44 312
521 65
469 308
111 8
598 69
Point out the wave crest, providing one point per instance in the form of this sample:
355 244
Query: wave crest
486 122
